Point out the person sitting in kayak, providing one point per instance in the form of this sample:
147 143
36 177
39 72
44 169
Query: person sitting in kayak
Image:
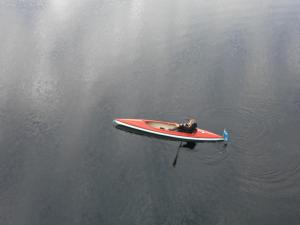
189 126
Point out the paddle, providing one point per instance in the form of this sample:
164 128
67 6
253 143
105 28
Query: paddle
177 153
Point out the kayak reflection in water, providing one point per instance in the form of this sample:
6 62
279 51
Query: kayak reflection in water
188 126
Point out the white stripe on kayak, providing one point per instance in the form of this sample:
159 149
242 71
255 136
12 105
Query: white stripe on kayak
169 135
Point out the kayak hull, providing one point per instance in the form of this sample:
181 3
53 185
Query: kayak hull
160 129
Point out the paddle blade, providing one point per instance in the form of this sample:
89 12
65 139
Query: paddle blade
225 135
175 160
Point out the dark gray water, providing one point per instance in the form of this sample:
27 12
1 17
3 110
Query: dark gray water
68 68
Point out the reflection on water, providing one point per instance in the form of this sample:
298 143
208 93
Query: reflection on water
67 68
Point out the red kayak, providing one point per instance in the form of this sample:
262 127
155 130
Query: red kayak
161 129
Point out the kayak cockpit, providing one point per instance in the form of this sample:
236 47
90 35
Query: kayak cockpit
161 125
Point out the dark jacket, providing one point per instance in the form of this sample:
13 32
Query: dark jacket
188 129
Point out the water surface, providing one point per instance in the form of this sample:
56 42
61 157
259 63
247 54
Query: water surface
68 68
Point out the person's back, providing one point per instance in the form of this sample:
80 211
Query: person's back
193 125
189 127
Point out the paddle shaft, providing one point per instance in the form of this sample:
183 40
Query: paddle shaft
177 153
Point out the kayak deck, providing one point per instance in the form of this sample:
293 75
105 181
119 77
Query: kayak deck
161 129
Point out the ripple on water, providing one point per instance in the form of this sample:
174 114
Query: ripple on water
262 164
209 153
247 127
268 175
